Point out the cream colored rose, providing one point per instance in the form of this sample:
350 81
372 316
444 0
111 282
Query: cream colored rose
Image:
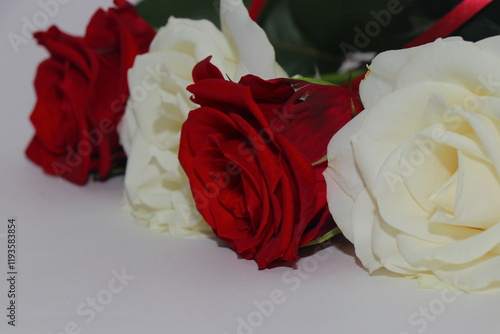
157 192
414 180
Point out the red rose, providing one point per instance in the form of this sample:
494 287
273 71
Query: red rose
81 93
249 152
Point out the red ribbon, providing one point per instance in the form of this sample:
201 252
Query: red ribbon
255 9
458 16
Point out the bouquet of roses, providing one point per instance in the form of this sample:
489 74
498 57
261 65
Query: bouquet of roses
217 137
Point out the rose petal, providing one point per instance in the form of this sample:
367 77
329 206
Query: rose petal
343 180
254 49
383 71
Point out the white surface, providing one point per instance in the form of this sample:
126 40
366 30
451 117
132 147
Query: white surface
71 238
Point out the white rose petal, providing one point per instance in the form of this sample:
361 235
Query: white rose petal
415 182
343 179
157 192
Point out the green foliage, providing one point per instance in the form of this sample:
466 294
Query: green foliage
157 12
308 35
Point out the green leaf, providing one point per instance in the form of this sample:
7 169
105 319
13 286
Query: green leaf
341 78
157 12
328 236
291 46
295 51
315 35
315 81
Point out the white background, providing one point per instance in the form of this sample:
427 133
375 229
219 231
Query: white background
71 239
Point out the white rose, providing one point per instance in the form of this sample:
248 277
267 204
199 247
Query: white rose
157 192
414 180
